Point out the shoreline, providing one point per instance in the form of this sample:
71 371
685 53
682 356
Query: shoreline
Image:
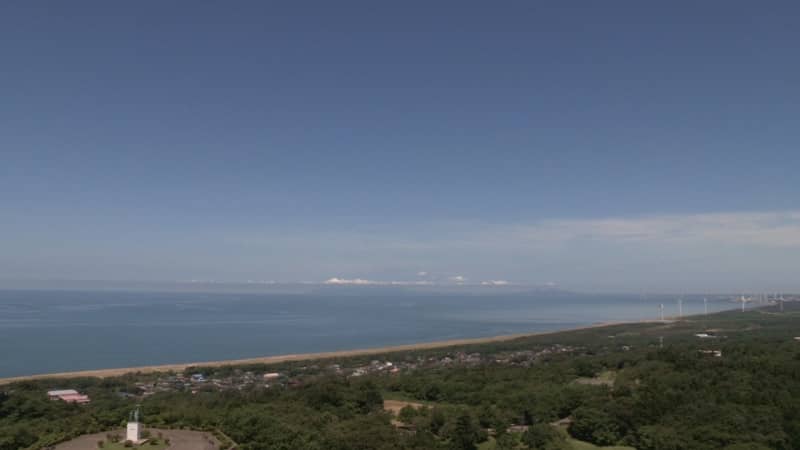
115 372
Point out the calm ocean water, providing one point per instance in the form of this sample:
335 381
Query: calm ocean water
55 331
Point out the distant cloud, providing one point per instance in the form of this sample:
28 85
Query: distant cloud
363 282
354 281
422 274
494 283
458 279
411 283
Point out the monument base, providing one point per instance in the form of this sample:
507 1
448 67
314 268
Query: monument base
134 433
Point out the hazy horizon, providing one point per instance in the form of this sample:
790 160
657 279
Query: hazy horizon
359 287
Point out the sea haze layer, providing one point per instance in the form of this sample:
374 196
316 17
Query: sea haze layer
57 331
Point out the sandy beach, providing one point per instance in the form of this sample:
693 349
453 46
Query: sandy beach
102 373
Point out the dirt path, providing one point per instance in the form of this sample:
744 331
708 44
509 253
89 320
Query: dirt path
394 406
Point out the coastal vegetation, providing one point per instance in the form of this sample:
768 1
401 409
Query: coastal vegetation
649 386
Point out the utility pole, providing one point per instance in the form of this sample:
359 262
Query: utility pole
705 306
680 308
662 312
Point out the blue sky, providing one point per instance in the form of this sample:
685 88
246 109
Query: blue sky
596 145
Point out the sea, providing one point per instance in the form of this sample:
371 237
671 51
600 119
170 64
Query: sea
45 331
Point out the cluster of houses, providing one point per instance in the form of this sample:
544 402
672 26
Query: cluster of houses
68 396
524 358
706 335
527 358
242 379
374 366
239 379
197 382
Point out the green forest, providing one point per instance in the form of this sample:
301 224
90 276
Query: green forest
649 386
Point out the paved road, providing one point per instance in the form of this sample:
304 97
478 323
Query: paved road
180 440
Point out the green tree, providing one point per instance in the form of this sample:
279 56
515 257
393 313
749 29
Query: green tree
595 426
506 441
369 398
465 433
656 437
432 393
543 437
747 446
407 414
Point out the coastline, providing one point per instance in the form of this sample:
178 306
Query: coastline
114 372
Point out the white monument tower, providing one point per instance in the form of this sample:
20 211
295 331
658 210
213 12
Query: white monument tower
134 433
